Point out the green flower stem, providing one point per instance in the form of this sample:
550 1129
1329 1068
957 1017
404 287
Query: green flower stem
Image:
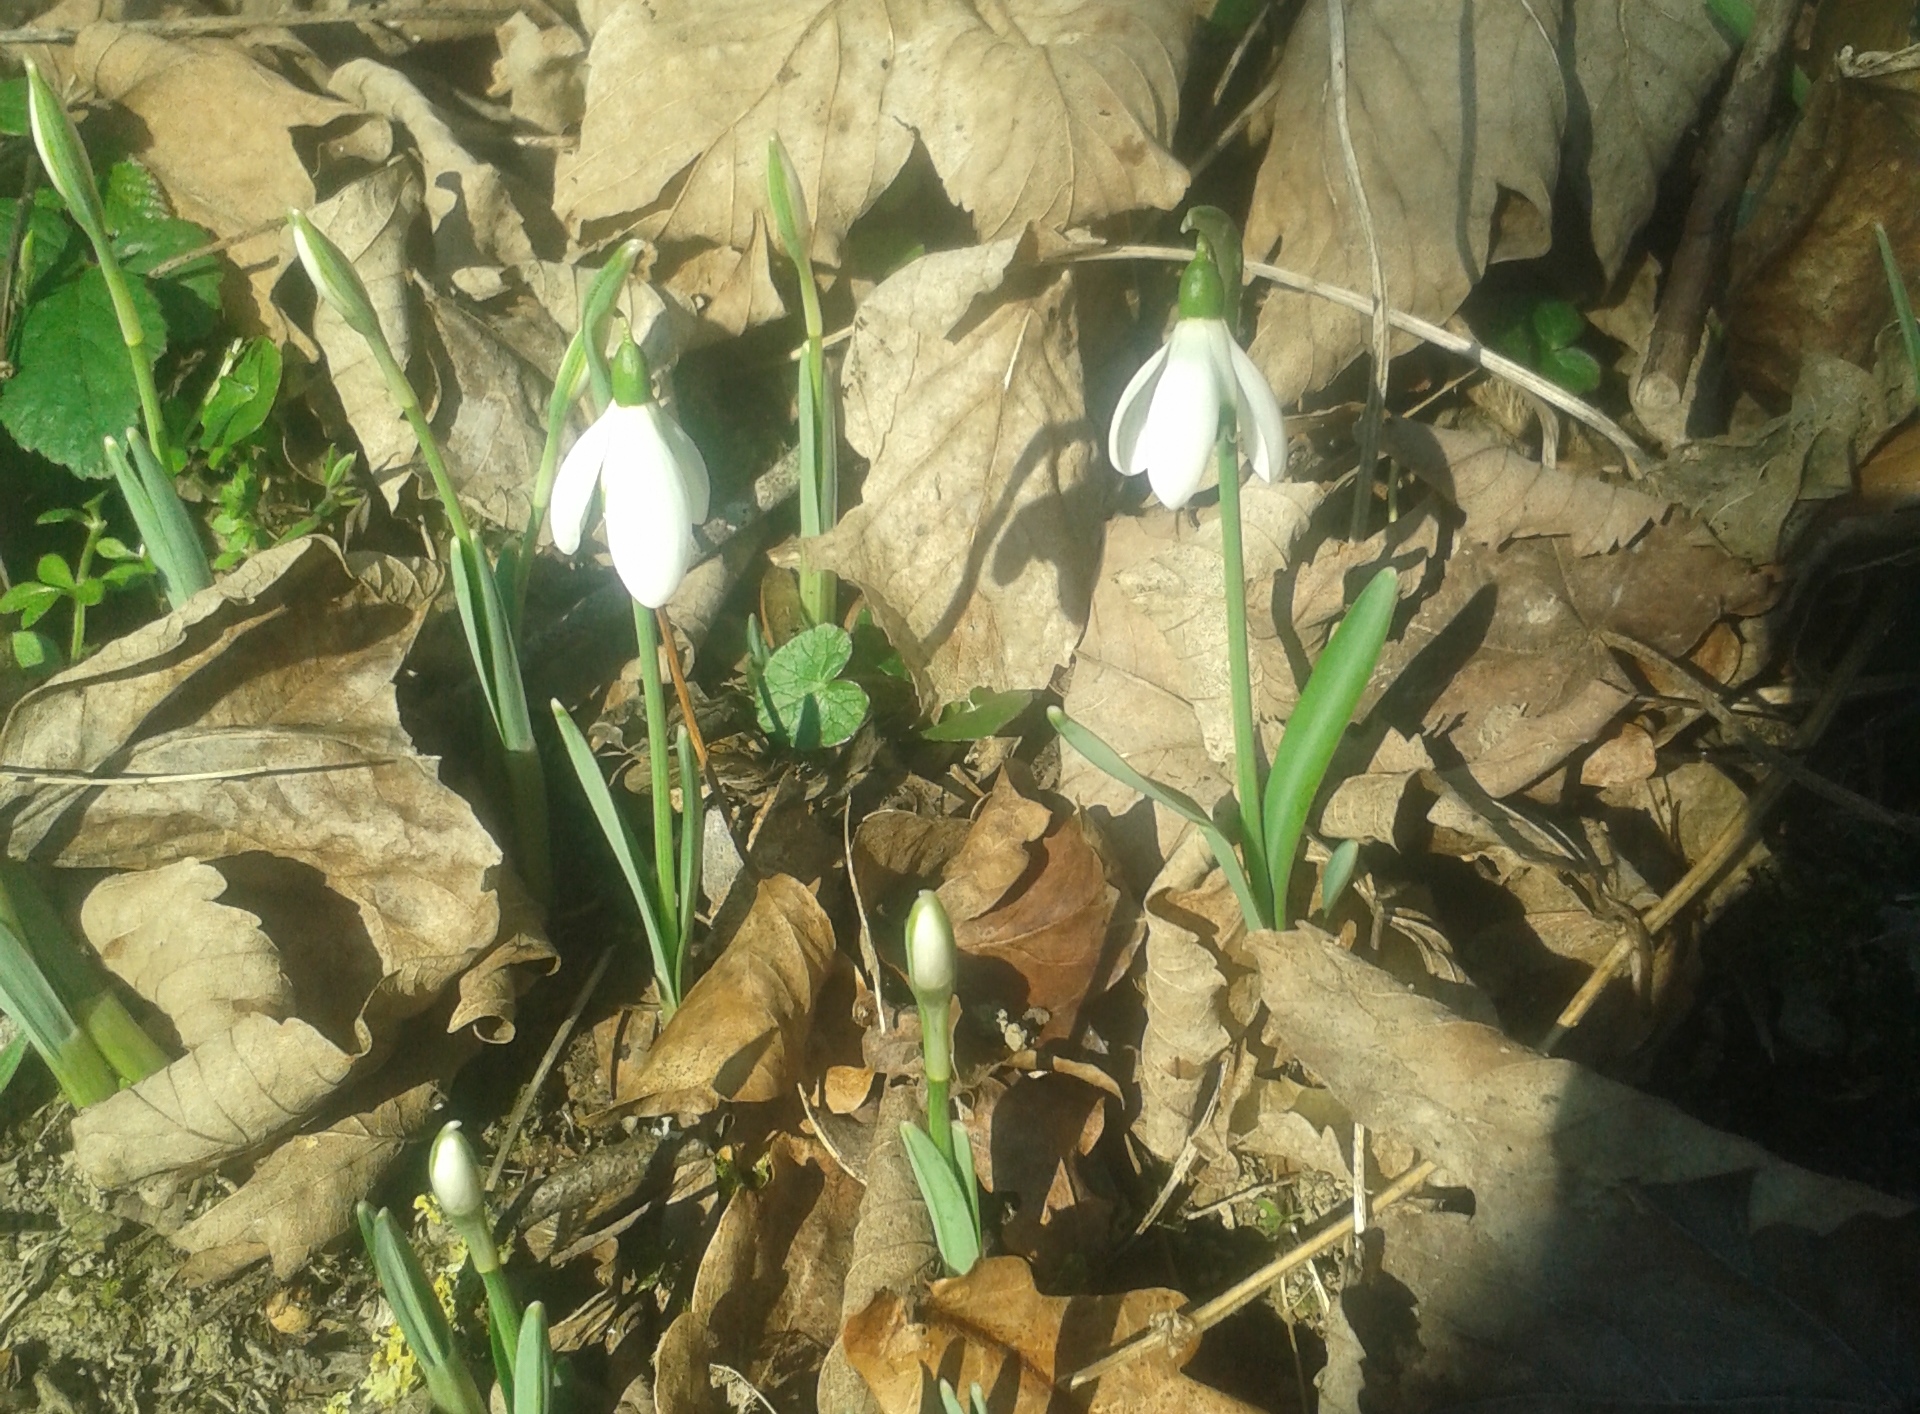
819 498
503 1314
1246 745
659 753
936 1048
95 528
400 389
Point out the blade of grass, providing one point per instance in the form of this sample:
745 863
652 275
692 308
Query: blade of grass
1902 305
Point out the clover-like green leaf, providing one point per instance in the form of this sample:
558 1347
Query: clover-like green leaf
802 699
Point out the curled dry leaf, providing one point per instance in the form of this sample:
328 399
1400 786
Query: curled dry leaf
476 227
978 527
1053 112
995 854
893 1247
1596 1213
1464 119
1506 494
991 1327
766 1301
272 695
202 963
217 128
741 1031
1191 915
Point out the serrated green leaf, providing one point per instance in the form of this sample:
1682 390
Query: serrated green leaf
189 296
983 714
802 700
13 108
130 193
238 403
75 387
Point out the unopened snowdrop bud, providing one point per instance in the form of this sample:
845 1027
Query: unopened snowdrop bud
929 947
334 277
455 1179
64 156
789 202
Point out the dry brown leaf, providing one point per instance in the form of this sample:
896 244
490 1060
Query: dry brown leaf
539 73
1366 805
374 881
1191 915
766 1301
1622 759
302 1195
1596 1213
202 963
1461 116
893 1246
217 129
741 1030
977 531
993 1328
1506 494
995 854
1151 674
491 417
476 227
1029 1133
1034 111
369 219
1050 944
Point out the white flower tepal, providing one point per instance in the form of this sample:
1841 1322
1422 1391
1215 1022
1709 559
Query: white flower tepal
653 489
1168 419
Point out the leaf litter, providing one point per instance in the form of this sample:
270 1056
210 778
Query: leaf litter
323 931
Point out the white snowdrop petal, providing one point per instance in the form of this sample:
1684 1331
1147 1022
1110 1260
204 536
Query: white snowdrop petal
692 466
647 515
573 488
1183 419
1263 428
1130 414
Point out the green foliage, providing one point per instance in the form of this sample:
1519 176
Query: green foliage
801 698
237 404
952 1195
56 581
1543 335
1902 305
13 108
983 714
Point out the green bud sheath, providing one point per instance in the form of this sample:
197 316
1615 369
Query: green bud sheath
1202 294
335 278
64 156
632 384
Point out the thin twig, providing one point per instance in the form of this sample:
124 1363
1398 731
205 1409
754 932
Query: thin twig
1701 254
547 1061
1211 1313
185 258
1189 1152
190 26
1499 367
1740 834
1239 54
1702 694
679 676
33 775
1376 273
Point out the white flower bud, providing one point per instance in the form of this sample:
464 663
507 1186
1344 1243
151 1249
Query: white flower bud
929 948
454 1175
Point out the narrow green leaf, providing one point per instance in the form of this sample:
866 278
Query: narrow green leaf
983 714
953 1223
167 528
533 1363
10 1059
626 850
416 1310
1107 759
1338 873
34 1001
1902 305
1319 719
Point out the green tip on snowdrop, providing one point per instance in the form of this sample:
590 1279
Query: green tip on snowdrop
63 155
1169 418
652 483
334 277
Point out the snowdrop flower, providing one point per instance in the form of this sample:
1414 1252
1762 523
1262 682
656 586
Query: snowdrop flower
652 483
1169 416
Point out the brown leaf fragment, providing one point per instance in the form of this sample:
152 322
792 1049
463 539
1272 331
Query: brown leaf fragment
978 527
993 1328
1506 494
203 964
1191 915
996 854
1029 1133
236 1091
1622 759
766 1301
893 1246
741 1030
539 72
1593 1208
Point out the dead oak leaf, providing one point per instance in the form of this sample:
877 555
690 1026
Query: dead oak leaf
740 1033
993 1328
979 522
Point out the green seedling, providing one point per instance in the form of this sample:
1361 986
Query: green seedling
942 1160
77 585
417 1311
800 695
950 1399
982 715
1337 874
1544 337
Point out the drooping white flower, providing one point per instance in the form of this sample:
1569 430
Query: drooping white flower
652 482
1169 416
